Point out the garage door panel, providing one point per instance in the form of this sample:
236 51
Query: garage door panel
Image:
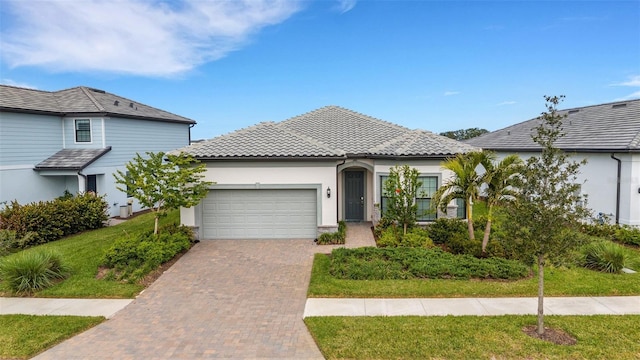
259 214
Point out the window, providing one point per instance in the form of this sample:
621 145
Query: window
423 197
462 209
83 130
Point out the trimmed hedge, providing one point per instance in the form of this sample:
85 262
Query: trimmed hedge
623 234
419 263
334 238
55 219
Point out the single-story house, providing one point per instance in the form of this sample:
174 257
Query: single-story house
299 177
607 136
75 139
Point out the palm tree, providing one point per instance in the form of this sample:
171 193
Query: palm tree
501 181
465 183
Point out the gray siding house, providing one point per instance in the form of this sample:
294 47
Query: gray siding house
75 139
607 136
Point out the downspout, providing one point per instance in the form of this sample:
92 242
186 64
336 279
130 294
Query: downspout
617 187
338 179
190 126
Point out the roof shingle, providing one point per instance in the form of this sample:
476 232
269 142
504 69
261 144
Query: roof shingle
604 127
330 131
72 159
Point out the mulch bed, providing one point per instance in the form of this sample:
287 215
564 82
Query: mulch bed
555 336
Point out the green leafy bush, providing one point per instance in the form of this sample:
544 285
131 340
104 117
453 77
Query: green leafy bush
381 226
411 263
443 229
621 233
10 241
334 238
415 237
133 256
52 220
606 256
30 271
627 235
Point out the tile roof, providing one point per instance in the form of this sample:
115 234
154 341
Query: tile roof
330 131
72 159
80 100
604 127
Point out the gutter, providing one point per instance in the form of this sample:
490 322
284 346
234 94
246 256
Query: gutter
617 187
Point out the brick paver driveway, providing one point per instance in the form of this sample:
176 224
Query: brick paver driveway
223 299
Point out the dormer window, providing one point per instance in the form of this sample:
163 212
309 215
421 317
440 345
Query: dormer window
83 130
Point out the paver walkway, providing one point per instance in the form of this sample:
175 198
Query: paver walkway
238 299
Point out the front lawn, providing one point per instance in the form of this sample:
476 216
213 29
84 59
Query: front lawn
23 336
558 282
471 337
83 253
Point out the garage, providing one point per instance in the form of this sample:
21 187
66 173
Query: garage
260 214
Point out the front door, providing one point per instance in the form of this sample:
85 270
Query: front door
354 195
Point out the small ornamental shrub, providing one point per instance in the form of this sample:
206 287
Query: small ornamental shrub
134 256
606 256
30 271
54 219
441 230
9 241
334 238
382 225
418 263
627 235
620 233
390 237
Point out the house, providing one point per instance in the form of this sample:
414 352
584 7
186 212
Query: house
75 139
299 177
608 137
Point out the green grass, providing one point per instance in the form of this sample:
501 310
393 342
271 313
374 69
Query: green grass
83 252
23 336
558 282
469 337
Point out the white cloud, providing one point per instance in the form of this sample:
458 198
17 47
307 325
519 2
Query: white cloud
346 5
142 37
633 81
451 93
506 103
634 95
17 84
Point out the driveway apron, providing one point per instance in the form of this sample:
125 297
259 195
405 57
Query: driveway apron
234 299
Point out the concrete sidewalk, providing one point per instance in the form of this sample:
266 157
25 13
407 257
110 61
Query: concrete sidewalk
609 305
46 306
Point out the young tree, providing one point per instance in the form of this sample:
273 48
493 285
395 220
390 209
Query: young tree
402 187
548 202
502 181
465 183
163 185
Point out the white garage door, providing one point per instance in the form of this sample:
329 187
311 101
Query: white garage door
259 214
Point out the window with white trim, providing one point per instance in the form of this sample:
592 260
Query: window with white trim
423 197
83 130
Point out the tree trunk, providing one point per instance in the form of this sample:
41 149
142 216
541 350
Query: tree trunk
405 228
472 236
485 239
155 227
540 328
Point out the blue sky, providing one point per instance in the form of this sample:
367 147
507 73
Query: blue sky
433 65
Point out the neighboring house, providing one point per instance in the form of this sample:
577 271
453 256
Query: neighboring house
75 139
299 177
608 136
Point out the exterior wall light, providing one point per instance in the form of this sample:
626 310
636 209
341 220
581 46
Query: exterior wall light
328 192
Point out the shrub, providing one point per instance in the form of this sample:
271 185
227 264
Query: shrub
417 237
10 241
441 230
134 256
390 237
334 238
627 235
382 225
31 271
52 220
606 256
418 263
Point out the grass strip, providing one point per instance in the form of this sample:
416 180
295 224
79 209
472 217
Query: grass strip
558 282
470 337
23 336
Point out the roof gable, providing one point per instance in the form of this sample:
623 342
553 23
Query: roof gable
330 131
604 127
80 100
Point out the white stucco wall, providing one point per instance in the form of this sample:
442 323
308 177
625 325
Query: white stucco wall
599 178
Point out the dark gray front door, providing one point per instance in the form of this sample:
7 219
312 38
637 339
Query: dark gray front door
354 195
